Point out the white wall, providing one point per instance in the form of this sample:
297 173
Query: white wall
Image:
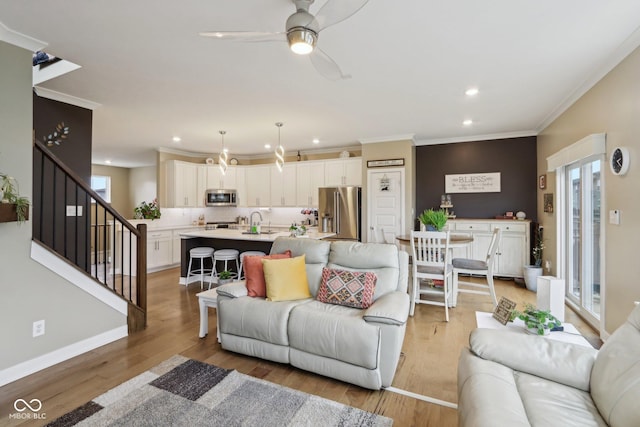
142 186
28 291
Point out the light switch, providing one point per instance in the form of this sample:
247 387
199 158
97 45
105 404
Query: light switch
614 217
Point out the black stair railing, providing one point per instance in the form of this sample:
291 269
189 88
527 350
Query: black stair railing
73 221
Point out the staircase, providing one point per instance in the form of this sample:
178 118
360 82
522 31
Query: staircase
75 224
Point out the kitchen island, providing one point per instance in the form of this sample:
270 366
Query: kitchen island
226 238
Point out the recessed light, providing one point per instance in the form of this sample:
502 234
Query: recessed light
267 146
316 141
176 139
467 122
472 91
108 162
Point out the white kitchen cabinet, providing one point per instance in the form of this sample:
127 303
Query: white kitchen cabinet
310 177
159 249
283 186
216 180
181 184
513 251
343 172
258 183
241 187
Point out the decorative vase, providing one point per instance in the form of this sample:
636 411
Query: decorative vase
531 274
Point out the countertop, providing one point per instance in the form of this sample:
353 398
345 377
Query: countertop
226 233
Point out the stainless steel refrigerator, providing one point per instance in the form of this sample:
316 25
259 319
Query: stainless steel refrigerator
339 211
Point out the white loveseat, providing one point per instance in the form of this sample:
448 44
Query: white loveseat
359 346
512 379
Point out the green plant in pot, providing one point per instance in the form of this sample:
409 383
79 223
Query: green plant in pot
147 210
433 220
9 194
225 276
536 321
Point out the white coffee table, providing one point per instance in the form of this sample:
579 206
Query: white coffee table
206 299
570 333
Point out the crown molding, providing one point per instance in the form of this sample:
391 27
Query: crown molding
52 71
473 138
266 155
63 97
613 60
391 138
21 40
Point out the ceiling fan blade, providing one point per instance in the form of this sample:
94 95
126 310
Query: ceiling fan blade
334 11
245 36
326 66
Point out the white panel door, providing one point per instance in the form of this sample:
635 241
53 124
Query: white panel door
386 206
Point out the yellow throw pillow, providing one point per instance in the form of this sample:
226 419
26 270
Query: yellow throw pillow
286 279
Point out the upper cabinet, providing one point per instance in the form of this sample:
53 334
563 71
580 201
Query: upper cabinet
182 184
283 186
309 177
258 184
215 178
343 172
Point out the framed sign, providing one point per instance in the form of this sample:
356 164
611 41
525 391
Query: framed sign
503 310
472 183
384 163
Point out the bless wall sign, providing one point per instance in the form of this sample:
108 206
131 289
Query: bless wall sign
472 183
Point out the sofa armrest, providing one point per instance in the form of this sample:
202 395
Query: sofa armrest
233 289
561 362
391 308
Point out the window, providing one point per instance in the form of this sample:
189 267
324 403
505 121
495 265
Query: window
102 186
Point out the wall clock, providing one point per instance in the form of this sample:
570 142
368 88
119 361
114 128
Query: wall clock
619 160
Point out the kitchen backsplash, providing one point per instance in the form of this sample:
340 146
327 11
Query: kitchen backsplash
172 217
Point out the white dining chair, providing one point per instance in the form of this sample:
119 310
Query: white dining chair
430 250
477 267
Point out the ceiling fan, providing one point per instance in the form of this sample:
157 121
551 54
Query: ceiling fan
302 30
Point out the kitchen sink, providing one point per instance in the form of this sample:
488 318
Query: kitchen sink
262 232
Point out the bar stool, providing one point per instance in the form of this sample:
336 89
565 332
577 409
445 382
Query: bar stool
200 253
225 255
244 254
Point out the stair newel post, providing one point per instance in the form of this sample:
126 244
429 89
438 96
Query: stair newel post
141 268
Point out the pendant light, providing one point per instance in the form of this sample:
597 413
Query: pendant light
279 150
222 158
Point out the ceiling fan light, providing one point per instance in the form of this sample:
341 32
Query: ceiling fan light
302 40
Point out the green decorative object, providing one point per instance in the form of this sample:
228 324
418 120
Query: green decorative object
436 219
9 194
147 210
537 321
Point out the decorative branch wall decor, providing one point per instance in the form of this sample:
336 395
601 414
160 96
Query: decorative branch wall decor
57 136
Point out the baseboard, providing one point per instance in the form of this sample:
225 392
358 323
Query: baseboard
63 269
39 363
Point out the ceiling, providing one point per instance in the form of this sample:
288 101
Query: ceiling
411 62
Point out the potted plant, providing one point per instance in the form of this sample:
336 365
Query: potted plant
297 230
539 322
147 210
433 220
225 276
532 272
9 195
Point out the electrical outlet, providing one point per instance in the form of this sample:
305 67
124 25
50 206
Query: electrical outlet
38 328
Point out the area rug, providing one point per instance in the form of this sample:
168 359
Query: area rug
186 392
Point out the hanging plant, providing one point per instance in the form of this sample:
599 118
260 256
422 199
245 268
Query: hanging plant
57 136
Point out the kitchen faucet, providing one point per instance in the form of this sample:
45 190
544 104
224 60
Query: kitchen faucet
251 219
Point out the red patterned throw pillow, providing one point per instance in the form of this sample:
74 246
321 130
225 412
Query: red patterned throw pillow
348 288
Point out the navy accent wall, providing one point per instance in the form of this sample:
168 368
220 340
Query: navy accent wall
68 236
514 158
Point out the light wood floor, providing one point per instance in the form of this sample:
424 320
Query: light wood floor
427 365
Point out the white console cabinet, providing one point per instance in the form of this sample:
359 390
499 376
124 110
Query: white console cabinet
513 251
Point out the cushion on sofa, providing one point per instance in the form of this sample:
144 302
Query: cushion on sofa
349 288
379 258
254 274
286 279
316 256
335 332
256 318
615 379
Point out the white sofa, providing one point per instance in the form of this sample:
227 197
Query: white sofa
359 346
512 379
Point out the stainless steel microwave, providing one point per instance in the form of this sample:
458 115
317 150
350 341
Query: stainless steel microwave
217 197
